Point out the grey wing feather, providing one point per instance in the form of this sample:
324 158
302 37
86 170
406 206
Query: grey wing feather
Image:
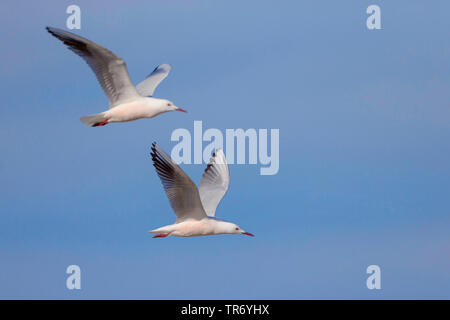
148 85
110 70
215 182
182 192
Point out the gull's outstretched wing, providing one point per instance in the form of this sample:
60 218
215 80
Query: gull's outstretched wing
148 85
181 191
110 70
215 181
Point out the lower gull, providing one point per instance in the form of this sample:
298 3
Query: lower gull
194 207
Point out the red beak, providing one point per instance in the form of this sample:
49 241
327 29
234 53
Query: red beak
248 234
181 110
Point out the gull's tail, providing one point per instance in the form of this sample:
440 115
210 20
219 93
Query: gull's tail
95 120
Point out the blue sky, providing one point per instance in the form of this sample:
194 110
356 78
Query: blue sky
364 151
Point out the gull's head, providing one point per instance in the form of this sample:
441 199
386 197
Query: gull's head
170 106
231 228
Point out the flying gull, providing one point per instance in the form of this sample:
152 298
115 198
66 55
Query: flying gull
126 101
195 208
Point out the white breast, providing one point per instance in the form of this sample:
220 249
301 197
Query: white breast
193 228
138 109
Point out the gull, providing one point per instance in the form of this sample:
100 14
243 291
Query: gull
126 101
195 208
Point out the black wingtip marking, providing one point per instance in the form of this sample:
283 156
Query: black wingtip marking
208 167
153 154
50 31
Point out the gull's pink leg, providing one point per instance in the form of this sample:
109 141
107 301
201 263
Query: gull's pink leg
161 235
100 124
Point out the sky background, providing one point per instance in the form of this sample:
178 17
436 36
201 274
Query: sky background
364 119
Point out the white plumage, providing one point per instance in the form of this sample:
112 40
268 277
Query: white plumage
126 102
194 208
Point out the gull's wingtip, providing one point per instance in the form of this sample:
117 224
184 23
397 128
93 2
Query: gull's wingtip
166 67
219 156
154 151
163 66
56 32
52 31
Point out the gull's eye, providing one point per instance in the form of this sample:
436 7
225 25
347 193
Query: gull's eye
237 228
169 104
